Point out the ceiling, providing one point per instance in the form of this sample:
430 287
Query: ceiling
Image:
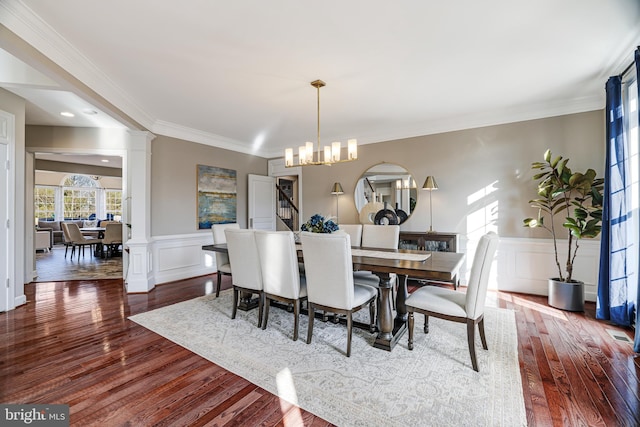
236 74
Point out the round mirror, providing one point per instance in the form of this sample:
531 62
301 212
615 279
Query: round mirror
385 187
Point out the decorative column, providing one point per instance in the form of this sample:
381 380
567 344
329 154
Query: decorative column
137 207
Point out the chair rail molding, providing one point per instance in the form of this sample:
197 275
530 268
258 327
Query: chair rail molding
526 265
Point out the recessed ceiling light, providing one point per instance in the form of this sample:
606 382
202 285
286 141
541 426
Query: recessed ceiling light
89 111
67 114
105 160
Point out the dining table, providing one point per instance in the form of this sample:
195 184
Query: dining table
405 263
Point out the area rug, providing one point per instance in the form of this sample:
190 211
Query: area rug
432 385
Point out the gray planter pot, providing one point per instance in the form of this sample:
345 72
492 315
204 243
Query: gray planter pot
566 295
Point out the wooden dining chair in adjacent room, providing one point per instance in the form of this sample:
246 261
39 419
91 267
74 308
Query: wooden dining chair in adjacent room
112 238
245 264
78 240
222 259
280 273
66 239
451 305
330 286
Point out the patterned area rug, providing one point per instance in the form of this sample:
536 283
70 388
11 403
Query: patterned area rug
433 385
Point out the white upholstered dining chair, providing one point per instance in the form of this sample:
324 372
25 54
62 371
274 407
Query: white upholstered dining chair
280 274
382 237
330 285
245 264
354 231
451 305
222 259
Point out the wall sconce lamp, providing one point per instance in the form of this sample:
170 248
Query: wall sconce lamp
337 191
430 184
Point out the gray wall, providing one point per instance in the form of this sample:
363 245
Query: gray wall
483 174
173 182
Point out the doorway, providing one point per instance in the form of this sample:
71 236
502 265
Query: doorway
76 187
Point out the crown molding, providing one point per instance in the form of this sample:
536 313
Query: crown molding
174 130
23 22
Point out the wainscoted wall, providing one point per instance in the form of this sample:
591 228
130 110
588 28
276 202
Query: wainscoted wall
521 265
524 265
181 256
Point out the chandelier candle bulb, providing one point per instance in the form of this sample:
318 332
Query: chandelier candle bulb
352 147
327 153
335 151
309 152
302 154
288 157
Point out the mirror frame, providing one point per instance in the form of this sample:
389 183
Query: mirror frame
398 186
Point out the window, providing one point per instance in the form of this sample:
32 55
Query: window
45 202
113 203
79 197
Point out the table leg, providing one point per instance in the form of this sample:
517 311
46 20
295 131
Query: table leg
246 303
401 298
389 331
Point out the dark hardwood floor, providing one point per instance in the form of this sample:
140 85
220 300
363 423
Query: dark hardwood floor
72 343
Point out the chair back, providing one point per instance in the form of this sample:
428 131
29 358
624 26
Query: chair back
75 235
65 232
479 276
380 236
279 263
244 258
112 233
354 231
328 269
219 237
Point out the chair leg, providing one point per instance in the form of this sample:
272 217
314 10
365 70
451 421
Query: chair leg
349 333
472 343
296 318
426 324
482 336
312 315
235 303
410 326
260 308
218 284
266 313
372 316
66 248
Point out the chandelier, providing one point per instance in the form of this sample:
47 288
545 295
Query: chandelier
330 153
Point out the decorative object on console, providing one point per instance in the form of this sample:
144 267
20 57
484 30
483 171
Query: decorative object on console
386 217
317 224
402 215
306 155
337 191
430 184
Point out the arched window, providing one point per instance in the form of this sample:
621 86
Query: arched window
79 197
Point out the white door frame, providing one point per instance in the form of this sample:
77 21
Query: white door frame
277 169
8 224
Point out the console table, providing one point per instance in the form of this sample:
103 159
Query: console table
429 241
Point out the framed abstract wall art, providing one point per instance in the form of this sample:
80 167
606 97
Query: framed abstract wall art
217 196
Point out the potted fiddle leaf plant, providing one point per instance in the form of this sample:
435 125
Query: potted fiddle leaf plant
577 197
